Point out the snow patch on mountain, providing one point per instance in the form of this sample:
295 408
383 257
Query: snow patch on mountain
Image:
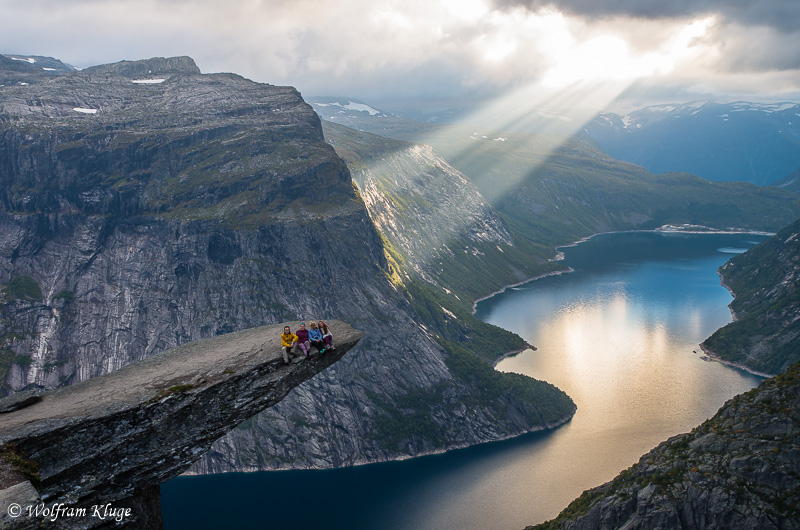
359 107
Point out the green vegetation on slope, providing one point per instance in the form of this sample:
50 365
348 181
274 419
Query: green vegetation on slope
470 345
23 288
766 282
436 218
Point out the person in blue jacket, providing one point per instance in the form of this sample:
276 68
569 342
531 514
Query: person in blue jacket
315 336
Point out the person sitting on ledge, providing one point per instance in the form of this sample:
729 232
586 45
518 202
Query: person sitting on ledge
326 335
302 339
288 340
315 336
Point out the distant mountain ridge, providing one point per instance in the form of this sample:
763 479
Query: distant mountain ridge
752 142
553 190
34 62
738 141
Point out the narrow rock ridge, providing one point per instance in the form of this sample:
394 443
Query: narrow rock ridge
113 438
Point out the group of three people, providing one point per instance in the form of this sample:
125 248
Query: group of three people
318 335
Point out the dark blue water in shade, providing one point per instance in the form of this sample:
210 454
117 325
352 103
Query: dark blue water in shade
618 335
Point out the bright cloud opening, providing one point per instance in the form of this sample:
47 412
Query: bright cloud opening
609 57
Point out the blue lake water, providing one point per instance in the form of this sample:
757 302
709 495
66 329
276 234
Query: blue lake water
619 335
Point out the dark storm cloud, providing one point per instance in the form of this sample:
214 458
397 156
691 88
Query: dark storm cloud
783 15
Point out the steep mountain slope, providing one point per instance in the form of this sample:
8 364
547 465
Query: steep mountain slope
750 142
765 280
740 469
144 205
435 218
562 190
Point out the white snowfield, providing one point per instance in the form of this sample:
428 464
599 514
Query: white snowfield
352 106
26 60
148 81
83 110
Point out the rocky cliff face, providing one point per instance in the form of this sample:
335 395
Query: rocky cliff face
145 205
765 281
130 219
112 439
740 469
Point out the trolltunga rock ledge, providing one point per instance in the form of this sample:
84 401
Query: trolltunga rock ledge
115 438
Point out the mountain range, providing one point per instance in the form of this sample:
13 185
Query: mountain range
735 141
750 142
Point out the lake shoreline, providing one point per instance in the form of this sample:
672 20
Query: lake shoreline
666 229
523 282
511 353
540 429
713 356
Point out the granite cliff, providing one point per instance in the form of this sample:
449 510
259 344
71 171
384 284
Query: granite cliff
145 205
111 440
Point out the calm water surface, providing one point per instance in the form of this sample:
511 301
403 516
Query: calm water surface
618 335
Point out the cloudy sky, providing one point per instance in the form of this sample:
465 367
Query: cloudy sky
396 49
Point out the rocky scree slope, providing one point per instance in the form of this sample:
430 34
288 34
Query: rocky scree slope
765 281
740 469
146 205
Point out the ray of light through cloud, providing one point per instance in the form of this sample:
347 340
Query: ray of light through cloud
582 77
